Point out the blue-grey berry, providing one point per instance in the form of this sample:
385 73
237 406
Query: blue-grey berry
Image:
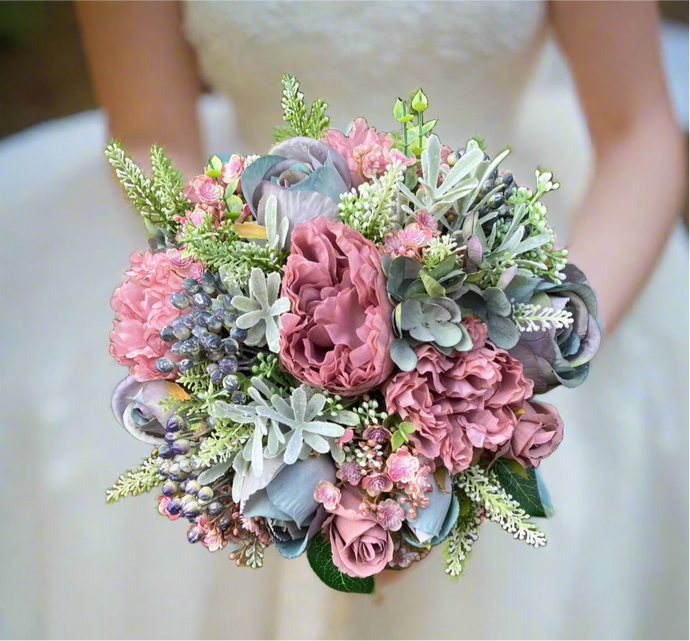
165 451
180 329
170 437
229 320
177 348
181 447
192 487
191 286
214 324
185 464
205 493
231 383
507 178
208 283
195 534
185 365
215 508
191 510
202 301
203 317
176 474
164 468
240 335
176 423
170 488
166 334
174 506
214 355
227 302
231 346
179 300
496 200
198 330
220 286
192 346
228 364
216 375
190 320
164 365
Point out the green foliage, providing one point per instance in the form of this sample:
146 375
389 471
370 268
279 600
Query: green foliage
482 487
311 125
521 485
370 209
227 439
155 200
438 249
413 137
168 184
462 537
400 436
320 558
136 481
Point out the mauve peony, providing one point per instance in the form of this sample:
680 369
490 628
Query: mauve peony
538 433
143 307
459 403
338 331
360 546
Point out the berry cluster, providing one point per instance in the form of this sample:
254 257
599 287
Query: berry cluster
206 334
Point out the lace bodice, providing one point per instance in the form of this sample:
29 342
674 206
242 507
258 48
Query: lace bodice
472 59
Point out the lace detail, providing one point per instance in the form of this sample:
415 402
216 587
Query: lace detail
361 55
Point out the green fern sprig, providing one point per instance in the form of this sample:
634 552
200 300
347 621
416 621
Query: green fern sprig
313 124
462 537
136 481
168 184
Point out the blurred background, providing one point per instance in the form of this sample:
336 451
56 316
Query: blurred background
73 568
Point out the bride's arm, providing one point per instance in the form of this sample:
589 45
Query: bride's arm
145 77
634 198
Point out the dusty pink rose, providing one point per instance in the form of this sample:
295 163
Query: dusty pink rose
327 494
460 402
402 466
538 433
377 483
338 331
232 169
361 547
366 152
142 306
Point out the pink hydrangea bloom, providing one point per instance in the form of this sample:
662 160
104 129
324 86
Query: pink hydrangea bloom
232 169
402 466
375 484
327 494
143 308
350 472
366 152
461 402
163 502
338 331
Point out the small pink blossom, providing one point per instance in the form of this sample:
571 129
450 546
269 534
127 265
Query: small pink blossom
327 494
232 170
427 221
377 433
416 235
204 189
404 557
177 261
350 472
375 484
259 529
163 502
390 515
347 436
402 466
244 214
214 539
196 217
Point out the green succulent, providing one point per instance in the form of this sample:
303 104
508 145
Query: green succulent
262 310
495 309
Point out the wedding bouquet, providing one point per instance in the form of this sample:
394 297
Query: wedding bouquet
335 347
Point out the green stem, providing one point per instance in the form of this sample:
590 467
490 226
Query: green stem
420 123
406 144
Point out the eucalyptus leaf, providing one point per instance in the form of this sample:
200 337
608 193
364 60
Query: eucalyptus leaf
497 302
502 332
403 355
214 473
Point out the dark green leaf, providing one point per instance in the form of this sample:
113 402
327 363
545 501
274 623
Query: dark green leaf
524 491
321 560
443 268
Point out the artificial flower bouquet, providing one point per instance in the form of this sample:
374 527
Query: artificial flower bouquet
334 348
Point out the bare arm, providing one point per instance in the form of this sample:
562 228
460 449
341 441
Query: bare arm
145 77
635 195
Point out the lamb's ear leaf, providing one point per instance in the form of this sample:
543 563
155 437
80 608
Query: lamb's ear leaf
320 558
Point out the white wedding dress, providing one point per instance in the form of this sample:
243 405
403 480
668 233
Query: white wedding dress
617 562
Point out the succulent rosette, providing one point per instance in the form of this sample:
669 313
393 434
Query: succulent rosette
334 348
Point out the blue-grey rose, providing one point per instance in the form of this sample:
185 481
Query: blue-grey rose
558 356
305 175
287 503
136 408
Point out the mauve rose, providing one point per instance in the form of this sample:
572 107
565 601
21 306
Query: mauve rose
360 546
338 331
459 403
538 433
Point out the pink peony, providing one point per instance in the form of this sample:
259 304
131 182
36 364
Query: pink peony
461 402
367 153
361 547
232 170
538 433
143 308
338 332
